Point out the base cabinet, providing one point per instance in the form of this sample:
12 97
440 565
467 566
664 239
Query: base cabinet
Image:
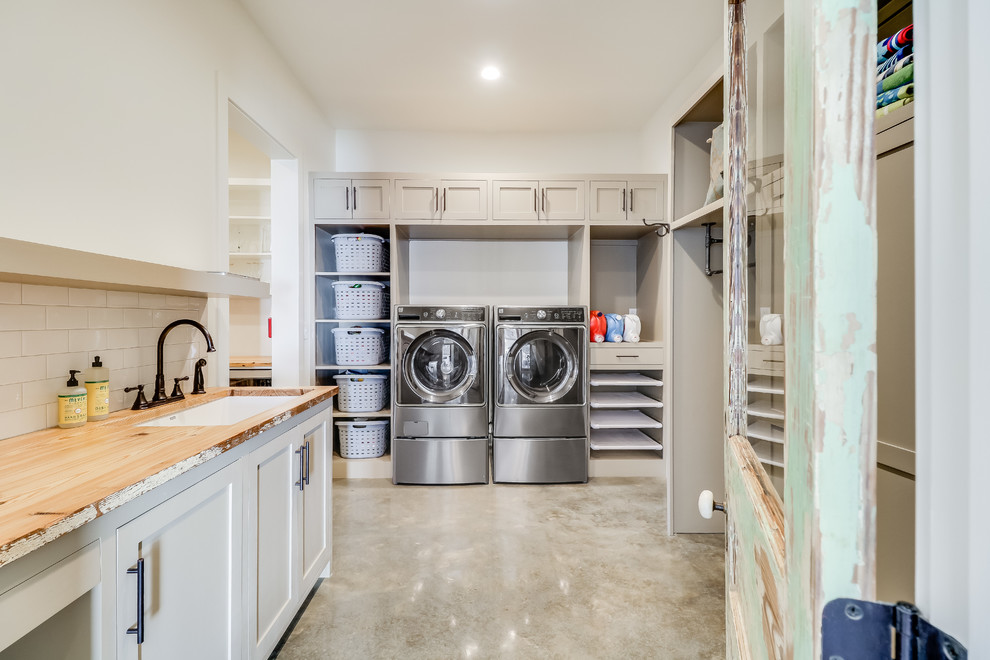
178 575
288 490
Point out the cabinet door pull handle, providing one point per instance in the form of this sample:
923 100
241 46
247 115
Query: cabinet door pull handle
307 462
623 199
437 200
354 196
347 198
138 628
630 200
302 467
544 202
627 356
444 200
535 206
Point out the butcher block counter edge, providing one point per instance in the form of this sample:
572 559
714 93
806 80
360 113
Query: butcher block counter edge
57 480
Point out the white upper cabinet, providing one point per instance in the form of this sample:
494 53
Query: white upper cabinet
619 201
436 199
538 200
347 199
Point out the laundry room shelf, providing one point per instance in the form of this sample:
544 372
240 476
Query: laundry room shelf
249 219
353 320
387 412
622 419
764 453
623 440
351 274
765 409
764 385
627 378
766 431
342 367
623 400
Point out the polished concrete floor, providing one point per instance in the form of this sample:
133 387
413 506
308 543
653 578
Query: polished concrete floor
577 571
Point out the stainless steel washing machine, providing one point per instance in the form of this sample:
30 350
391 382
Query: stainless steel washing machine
541 395
440 394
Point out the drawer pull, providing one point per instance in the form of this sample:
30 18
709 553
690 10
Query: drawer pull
627 356
769 360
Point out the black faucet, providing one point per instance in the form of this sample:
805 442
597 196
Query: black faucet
160 397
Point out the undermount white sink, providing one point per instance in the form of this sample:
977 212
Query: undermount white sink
221 412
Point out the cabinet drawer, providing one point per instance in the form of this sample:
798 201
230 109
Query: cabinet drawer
766 361
617 355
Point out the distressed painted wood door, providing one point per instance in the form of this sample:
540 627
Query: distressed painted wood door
788 556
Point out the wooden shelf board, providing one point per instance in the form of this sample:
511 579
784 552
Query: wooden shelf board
623 400
708 213
630 378
622 419
344 367
763 453
766 431
35 263
623 440
763 385
764 409
248 182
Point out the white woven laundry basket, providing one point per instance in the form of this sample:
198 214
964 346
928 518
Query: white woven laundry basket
358 253
357 346
362 438
361 392
356 299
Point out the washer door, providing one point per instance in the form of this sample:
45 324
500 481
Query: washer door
542 366
439 366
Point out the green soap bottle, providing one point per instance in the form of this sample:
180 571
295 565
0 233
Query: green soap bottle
97 379
72 403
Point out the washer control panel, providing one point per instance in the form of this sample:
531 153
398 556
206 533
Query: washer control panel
542 314
447 314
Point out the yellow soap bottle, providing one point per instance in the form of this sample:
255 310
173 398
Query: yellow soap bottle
72 403
97 379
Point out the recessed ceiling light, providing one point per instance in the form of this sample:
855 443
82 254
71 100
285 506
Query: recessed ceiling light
491 73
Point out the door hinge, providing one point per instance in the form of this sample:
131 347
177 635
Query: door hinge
860 629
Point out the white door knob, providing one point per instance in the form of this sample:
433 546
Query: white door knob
707 504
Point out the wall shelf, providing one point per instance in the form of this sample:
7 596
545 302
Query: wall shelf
248 182
766 431
764 385
765 409
623 440
622 419
386 412
623 400
384 366
632 379
708 213
353 320
345 274
34 263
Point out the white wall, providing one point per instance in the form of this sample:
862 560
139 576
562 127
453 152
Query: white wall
111 124
412 151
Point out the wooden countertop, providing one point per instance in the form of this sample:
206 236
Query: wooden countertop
56 480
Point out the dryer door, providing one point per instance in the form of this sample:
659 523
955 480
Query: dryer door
541 366
440 365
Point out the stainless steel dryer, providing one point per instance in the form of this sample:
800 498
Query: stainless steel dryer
541 400
440 412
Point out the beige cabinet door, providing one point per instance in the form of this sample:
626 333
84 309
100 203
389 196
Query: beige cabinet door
332 199
646 201
369 199
316 499
515 200
417 199
608 201
271 491
562 200
464 200
179 574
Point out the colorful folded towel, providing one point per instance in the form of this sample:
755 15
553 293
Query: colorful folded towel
891 45
890 64
895 94
898 78
887 109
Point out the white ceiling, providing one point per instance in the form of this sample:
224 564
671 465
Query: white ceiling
567 65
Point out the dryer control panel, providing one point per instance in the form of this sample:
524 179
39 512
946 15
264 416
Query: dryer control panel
542 314
445 314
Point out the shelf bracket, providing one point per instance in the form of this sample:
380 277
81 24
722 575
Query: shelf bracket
662 228
709 242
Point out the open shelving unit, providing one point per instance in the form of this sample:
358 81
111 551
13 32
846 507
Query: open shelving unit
250 227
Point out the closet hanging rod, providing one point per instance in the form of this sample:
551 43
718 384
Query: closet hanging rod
662 228
710 241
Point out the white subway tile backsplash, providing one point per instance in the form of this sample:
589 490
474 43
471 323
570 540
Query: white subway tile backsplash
176 302
22 369
175 352
105 317
137 318
10 293
88 340
23 420
123 338
10 397
118 358
66 318
44 342
37 294
22 317
87 298
123 299
10 344
58 365
151 300
146 355
149 336
132 377
196 304
42 392
120 401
